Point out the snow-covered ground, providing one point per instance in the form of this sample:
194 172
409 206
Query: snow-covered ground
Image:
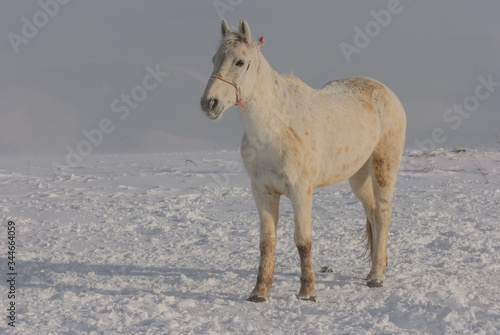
168 244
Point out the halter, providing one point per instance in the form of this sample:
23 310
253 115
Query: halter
240 102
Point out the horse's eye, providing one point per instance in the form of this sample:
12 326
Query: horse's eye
240 63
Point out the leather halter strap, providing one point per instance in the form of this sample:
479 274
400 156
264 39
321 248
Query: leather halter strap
238 101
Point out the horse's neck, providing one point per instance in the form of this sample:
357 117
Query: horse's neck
266 115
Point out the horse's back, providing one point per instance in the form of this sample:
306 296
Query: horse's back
354 85
371 94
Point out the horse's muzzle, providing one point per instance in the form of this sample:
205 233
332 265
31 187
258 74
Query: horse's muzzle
211 108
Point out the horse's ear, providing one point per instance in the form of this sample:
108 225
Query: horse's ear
224 28
245 30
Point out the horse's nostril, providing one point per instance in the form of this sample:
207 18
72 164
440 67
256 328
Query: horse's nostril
213 103
208 104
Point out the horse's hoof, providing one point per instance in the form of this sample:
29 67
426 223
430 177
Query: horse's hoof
256 298
307 297
375 283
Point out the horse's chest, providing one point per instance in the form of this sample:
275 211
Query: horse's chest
266 167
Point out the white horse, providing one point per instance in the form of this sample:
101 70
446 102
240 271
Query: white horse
298 139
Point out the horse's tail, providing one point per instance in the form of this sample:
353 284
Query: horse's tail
368 237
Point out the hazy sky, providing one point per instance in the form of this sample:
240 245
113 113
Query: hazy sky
67 67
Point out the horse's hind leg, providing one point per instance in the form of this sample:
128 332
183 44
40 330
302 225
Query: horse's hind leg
384 165
267 203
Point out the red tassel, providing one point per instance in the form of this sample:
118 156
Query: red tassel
261 41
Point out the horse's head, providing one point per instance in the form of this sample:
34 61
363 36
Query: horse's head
236 65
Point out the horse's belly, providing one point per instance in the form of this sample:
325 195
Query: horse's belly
348 150
342 166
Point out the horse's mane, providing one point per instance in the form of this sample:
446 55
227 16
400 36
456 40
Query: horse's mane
233 37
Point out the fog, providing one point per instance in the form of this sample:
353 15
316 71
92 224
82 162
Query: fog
67 67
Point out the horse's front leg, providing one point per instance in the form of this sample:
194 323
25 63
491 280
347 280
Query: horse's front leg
302 208
267 203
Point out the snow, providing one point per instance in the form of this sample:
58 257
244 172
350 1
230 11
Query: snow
168 243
